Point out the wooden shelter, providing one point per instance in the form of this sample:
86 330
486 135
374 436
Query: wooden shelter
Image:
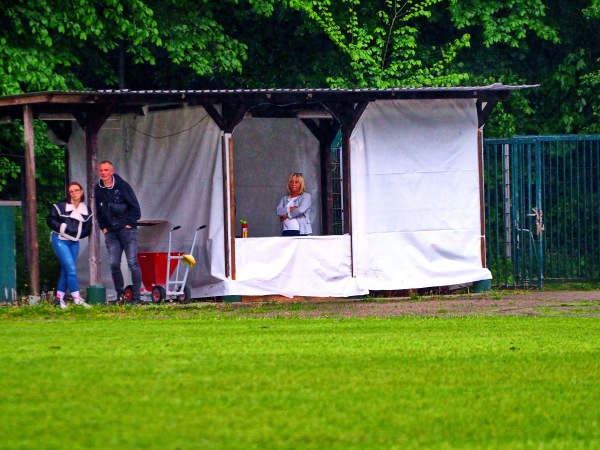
323 111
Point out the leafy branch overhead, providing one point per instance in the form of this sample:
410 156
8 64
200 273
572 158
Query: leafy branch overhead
204 44
46 44
381 42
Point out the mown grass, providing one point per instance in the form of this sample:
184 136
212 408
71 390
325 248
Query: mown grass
198 377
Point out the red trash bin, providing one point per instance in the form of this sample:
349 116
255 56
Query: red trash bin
154 268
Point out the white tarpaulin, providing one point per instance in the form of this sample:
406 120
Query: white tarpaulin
172 159
415 199
415 195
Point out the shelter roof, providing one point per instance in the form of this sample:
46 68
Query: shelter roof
262 102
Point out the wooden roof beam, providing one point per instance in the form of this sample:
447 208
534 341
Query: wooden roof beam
484 109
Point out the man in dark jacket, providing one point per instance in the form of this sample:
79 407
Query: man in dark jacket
117 213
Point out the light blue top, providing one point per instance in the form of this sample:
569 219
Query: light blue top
302 203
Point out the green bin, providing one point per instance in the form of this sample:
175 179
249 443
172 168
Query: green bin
482 286
8 254
96 295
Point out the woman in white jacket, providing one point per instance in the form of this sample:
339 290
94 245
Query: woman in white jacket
294 208
70 221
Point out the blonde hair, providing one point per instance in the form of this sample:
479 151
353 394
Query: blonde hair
296 176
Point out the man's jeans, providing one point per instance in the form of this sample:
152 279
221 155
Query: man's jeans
66 252
117 242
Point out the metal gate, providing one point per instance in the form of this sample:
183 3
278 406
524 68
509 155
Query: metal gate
542 198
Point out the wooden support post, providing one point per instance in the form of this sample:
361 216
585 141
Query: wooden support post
326 190
346 181
92 122
325 131
226 205
91 152
481 196
348 116
232 206
31 205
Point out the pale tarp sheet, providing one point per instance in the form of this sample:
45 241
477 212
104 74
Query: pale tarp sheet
265 152
415 195
415 199
317 266
173 160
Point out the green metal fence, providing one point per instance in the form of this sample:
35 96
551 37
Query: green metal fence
542 198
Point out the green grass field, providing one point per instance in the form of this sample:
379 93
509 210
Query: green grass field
169 378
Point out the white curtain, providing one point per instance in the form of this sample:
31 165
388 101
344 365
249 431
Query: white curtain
415 199
172 160
415 195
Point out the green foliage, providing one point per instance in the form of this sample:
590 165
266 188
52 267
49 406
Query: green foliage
593 10
8 169
503 22
49 44
381 43
302 43
541 42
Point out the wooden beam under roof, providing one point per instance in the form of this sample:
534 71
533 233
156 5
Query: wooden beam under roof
269 102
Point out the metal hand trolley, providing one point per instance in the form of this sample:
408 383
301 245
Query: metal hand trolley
157 270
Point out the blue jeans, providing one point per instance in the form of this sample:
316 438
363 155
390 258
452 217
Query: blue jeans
67 253
117 242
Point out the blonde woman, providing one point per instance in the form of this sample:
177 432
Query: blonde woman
294 208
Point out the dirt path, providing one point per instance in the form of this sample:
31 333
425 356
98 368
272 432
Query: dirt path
535 303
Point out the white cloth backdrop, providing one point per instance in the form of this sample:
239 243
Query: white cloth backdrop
415 195
172 159
265 152
415 199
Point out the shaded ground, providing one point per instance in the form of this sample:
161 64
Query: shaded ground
534 303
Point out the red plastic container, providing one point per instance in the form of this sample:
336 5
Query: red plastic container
154 268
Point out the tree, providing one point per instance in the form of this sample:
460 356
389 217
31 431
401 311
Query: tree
52 44
552 43
381 42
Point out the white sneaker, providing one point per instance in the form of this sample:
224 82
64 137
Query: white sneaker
80 302
61 303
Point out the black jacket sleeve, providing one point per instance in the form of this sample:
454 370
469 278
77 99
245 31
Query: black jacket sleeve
134 212
100 211
87 227
53 219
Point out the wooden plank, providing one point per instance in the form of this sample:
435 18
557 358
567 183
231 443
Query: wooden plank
232 207
226 222
94 119
481 196
346 181
91 152
282 298
31 205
